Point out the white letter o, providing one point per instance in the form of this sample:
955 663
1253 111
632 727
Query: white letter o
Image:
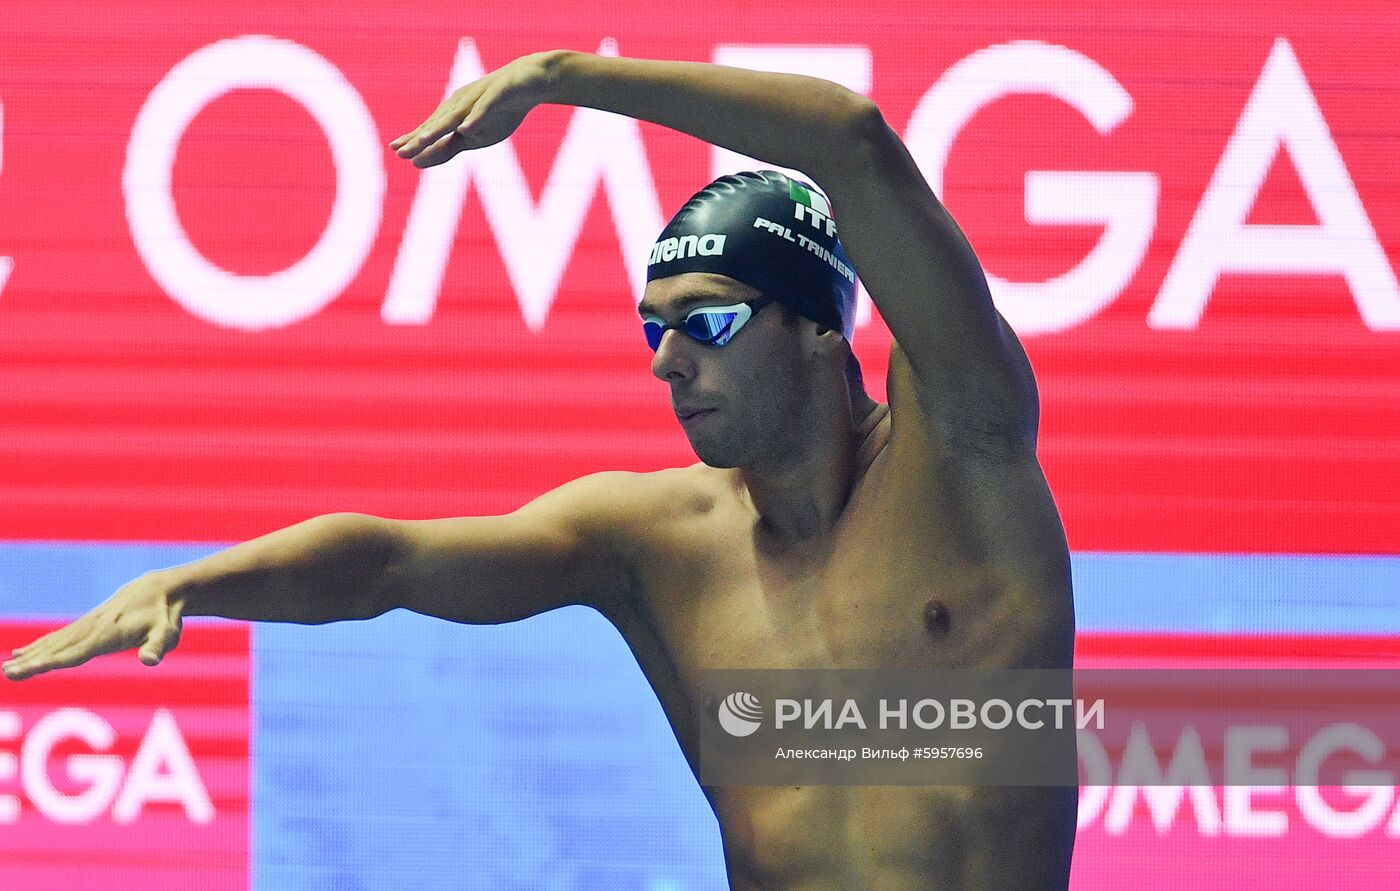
302 289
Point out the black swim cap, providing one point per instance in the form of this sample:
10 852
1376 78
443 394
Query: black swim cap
771 232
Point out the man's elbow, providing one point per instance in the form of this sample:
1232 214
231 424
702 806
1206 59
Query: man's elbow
863 134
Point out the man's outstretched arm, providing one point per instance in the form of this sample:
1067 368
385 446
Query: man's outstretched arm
552 552
915 261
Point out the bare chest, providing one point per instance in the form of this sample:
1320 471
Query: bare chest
905 581
881 592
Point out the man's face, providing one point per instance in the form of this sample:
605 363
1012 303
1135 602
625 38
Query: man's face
742 403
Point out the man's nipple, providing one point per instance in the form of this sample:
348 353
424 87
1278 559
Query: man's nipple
937 619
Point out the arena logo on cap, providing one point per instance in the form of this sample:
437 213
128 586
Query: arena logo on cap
812 206
679 248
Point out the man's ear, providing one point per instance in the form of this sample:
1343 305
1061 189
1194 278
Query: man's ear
831 342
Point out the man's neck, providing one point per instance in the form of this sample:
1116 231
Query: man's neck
803 500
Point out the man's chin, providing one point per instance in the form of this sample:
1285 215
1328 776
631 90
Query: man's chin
713 454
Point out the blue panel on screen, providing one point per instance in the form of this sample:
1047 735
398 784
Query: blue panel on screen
1237 593
524 756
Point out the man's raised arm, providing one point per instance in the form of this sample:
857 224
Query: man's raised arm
552 552
962 359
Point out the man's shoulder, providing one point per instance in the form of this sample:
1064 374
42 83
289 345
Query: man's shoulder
641 517
633 503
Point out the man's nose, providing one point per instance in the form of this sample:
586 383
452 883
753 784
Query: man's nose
672 360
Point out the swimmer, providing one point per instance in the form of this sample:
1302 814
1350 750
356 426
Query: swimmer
820 528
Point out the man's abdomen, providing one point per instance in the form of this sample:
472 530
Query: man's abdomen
897 838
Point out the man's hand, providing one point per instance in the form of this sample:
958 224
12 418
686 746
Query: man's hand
481 113
143 613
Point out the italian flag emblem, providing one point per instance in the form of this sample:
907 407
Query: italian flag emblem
803 195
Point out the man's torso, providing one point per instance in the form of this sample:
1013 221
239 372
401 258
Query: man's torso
935 562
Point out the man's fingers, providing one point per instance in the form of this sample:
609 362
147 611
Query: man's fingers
479 107
37 647
443 121
153 649
13 670
406 145
440 151
38 663
70 657
138 615
161 641
412 135
16 668
427 134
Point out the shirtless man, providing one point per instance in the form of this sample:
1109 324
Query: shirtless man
822 529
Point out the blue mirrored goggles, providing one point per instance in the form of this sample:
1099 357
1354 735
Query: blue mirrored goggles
712 325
